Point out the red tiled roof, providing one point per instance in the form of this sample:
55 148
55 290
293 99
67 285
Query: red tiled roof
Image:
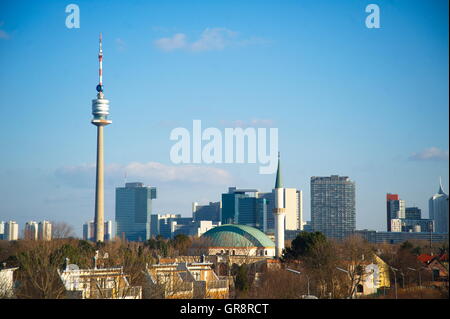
425 258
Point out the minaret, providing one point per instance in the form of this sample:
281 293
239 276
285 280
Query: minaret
100 110
279 213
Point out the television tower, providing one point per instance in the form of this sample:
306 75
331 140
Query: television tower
100 110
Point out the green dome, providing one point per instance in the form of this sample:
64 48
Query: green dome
231 235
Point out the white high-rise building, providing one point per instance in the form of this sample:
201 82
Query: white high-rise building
45 230
294 209
30 231
11 231
438 210
2 229
293 200
108 230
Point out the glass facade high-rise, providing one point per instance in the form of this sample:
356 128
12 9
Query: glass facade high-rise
413 213
333 205
242 206
207 212
133 210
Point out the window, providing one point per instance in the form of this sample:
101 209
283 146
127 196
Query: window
435 274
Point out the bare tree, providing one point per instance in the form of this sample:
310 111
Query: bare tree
37 274
280 284
355 254
62 230
133 256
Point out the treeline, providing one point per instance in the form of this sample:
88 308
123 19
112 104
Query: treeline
311 264
315 265
38 261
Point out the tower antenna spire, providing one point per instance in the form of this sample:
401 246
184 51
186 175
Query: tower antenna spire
100 66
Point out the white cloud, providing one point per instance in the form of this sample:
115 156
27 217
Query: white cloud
431 153
211 39
150 173
178 41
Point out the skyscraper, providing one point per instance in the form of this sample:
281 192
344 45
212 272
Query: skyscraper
413 213
243 206
438 206
207 212
293 209
100 110
160 224
30 231
11 231
395 210
44 230
333 205
133 211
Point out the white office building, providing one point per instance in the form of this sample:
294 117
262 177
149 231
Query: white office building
438 210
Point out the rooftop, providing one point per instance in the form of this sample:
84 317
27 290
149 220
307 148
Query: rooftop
231 235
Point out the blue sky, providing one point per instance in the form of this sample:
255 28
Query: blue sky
371 104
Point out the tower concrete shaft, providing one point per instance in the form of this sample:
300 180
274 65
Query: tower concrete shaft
99 189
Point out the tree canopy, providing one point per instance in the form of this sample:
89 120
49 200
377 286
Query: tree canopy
303 244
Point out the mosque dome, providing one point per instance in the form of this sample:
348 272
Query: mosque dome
231 235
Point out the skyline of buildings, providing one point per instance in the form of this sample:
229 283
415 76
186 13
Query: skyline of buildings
253 208
169 225
38 231
406 219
